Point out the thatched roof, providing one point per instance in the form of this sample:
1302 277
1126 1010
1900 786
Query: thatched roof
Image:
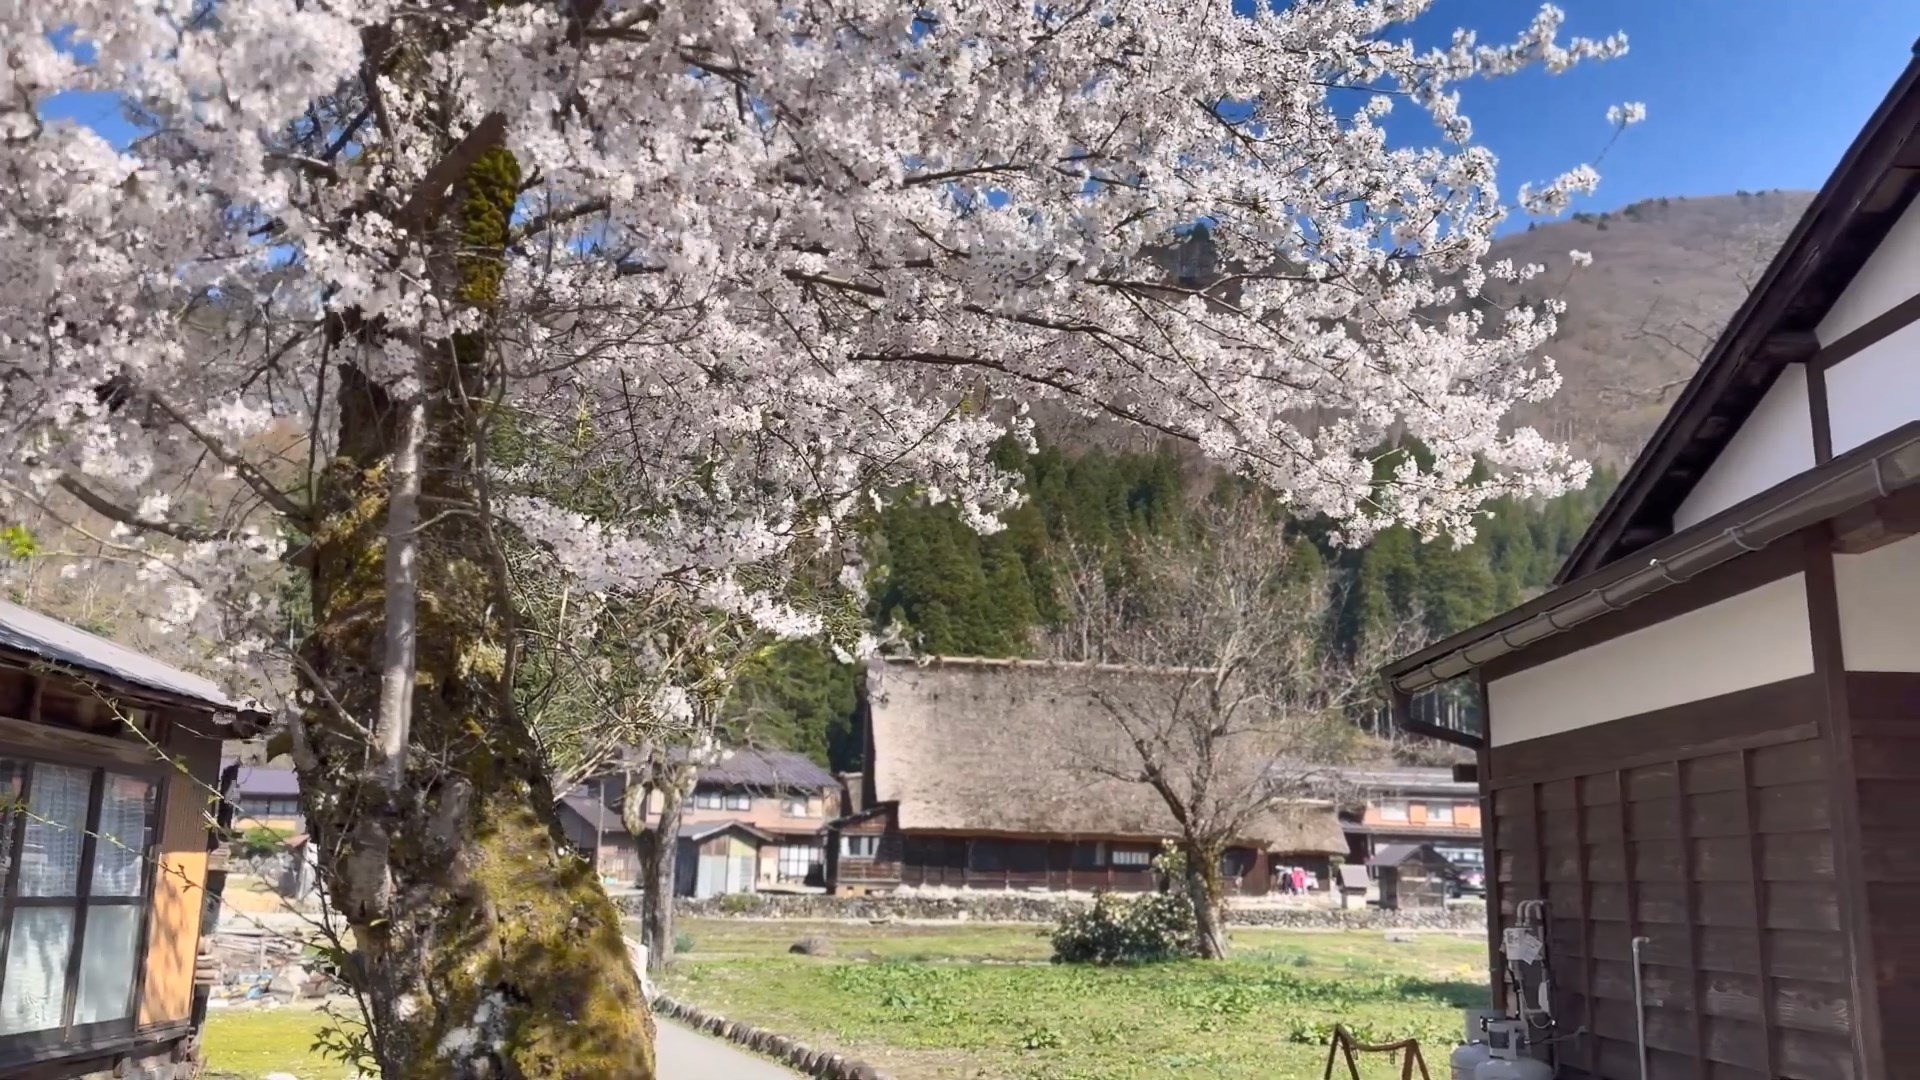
1017 747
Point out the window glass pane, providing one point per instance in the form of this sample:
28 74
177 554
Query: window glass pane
36 976
56 827
107 963
126 815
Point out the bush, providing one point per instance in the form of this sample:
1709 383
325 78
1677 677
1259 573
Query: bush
259 843
682 942
1116 930
737 903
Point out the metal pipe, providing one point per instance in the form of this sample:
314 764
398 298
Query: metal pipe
1640 1006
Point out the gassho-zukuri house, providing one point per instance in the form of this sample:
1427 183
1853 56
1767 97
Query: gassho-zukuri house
1706 735
1006 774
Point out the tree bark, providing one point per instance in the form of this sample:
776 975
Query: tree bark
1204 889
482 948
659 861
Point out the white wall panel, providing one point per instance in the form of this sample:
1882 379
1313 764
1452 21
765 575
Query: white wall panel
1890 275
1754 638
1876 389
1774 444
1879 593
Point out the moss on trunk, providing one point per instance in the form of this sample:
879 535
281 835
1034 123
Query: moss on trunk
483 948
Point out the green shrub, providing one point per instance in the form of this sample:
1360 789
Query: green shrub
738 903
259 842
1116 930
682 942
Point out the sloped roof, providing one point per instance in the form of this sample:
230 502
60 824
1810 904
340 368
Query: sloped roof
1395 854
266 782
1408 779
1022 748
596 814
770 769
46 638
1868 191
704 832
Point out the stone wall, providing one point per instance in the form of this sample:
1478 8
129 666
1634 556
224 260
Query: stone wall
1044 908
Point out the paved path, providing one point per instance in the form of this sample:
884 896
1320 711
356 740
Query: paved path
683 1054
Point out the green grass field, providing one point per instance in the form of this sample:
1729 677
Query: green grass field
956 1001
249 1044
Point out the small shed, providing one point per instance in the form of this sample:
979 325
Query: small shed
720 858
1413 877
1354 883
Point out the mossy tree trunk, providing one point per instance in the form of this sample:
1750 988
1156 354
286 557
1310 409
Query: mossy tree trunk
482 948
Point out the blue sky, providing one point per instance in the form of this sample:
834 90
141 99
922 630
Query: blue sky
1752 94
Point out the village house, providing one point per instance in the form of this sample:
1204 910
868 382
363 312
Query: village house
1701 748
109 762
267 797
1412 805
762 813
990 774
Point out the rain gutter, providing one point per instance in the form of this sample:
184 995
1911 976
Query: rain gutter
1874 471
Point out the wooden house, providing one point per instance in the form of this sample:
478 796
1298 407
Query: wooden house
720 858
1413 877
782 799
1411 805
109 762
998 774
1706 735
590 818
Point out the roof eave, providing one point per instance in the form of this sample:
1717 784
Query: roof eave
1837 203
1888 464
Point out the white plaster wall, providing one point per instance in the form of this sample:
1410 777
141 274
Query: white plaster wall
1876 389
1754 638
1879 594
1891 274
1775 444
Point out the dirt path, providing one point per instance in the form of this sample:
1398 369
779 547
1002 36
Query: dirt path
684 1054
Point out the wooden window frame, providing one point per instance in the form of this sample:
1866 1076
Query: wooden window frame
69 1037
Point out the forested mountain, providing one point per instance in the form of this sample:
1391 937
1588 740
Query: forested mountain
951 591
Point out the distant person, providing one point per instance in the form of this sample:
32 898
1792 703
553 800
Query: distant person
1299 880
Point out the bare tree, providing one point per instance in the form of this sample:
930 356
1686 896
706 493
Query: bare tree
1241 711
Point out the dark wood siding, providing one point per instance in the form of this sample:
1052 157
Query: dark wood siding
1885 710
1706 830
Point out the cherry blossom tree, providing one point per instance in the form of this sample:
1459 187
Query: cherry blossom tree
777 260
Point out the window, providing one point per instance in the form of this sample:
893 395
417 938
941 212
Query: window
739 800
1439 813
860 847
794 806
797 861
707 800
259 806
75 871
1087 855
1393 810
1136 857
